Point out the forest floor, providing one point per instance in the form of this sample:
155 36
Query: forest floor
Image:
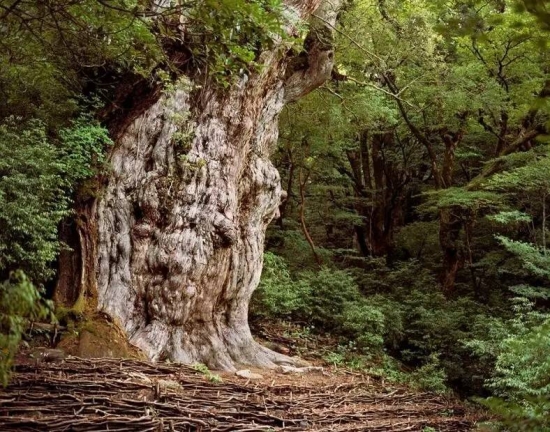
75 394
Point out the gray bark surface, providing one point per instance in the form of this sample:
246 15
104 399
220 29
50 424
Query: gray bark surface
182 220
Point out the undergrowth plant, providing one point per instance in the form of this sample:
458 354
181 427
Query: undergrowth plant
328 300
203 369
20 303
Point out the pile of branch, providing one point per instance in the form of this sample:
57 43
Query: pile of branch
130 395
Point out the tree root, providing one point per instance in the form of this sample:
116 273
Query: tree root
129 395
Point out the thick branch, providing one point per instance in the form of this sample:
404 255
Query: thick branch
416 132
318 58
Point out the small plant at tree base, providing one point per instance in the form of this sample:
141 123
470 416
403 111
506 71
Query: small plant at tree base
335 359
203 369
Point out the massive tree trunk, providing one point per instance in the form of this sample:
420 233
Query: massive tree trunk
181 223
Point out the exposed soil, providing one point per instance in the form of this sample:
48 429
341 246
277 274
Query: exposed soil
75 394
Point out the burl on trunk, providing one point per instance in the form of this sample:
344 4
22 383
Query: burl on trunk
177 235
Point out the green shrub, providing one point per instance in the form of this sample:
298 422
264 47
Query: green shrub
529 414
421 323
430 376
20 302
522 367
278 295
518 352
329 294
32 200
328 299
363 323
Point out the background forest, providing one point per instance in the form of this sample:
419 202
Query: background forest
416 221
417 180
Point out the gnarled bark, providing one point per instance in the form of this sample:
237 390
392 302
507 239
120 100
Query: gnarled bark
181 222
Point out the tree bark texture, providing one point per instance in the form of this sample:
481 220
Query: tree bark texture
182 219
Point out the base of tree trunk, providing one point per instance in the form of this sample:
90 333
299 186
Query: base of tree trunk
218 346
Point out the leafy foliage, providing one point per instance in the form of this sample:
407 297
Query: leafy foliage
32 200
234 32
328 299
74 41
20 302
518 348
278 295
522 370
37 177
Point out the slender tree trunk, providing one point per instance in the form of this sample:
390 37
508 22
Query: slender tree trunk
178 232
379 194
284 204
544 222
303 181
450 226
